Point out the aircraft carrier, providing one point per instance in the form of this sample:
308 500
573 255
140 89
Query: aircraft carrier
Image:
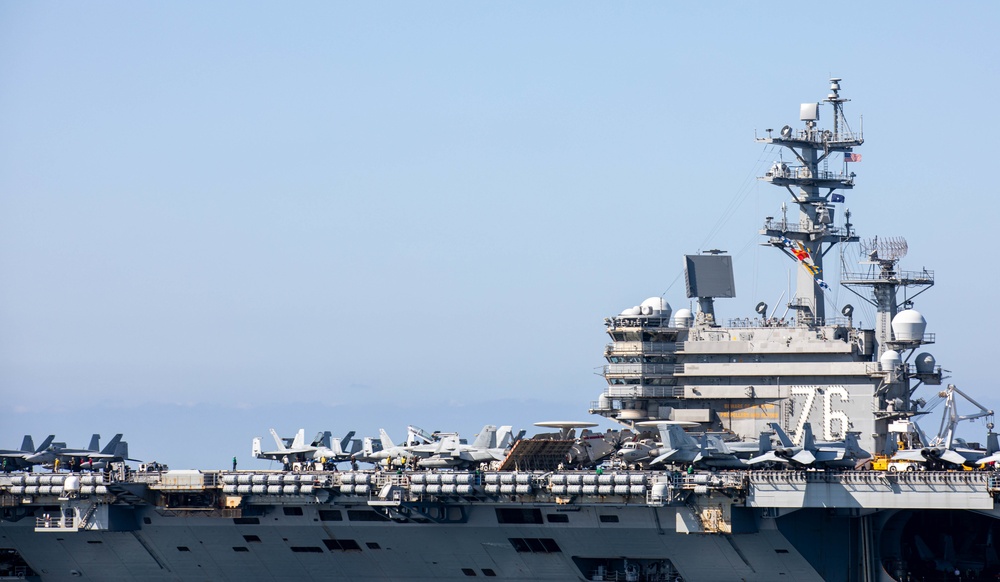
804 365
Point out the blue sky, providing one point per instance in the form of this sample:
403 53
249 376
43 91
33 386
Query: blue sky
219 218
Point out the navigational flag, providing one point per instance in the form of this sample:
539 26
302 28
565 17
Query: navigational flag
836 198
852 157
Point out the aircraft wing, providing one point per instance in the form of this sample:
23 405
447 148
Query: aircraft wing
768 456
667 456
952 457
909 455
804 457
990 459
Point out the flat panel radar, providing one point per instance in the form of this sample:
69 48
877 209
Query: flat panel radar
709 276
809 112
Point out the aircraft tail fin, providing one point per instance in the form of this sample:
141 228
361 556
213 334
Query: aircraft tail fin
674 437
386 441
347 443
369 447
45 444
28 445
763 443
278 441
992 446
121 451
300 439
487 437
782 437
112 445
255 451
853 447
322 439
808 440
95 443
504 436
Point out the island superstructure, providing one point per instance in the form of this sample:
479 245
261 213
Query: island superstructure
808 368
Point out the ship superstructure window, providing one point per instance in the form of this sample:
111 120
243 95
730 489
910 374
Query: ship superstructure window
342 545
183 549
240 549
535 545
307 549
373 546
330 515
609 519
251 539
518 515
468 571
489 573
292 510
557 518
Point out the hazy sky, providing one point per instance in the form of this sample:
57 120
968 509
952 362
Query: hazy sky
216 218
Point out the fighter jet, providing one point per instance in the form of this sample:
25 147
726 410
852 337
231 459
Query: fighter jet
681 448
490 445
12 460
322 448
93 457
390 453
840 454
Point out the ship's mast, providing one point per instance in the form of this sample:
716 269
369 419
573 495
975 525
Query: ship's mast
811 185
883 279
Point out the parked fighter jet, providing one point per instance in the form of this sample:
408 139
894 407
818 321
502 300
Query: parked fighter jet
390 453
93 457
322 448
681 448
844 454
946 449
12 460
490 445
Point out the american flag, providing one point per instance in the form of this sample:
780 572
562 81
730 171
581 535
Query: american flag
852 157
